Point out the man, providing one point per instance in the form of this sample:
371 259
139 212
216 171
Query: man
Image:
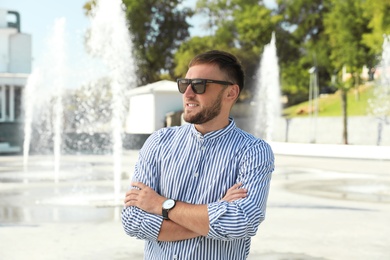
200 190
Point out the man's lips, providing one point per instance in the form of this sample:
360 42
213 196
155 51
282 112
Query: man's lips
191 105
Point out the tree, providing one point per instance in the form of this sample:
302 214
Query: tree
345 24
241 27
157 29
376 12
188 50
304 45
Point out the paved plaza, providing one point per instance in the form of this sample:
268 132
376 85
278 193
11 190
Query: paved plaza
319 208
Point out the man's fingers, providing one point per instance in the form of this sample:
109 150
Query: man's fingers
234 197
237 191
138 185
235 187
131 195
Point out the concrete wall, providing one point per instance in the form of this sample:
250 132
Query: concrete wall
15 48
141 117
362 130
20 53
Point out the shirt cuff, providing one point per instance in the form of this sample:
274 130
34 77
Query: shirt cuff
216 210
150 227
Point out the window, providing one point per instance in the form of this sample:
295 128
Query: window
2 103
10 103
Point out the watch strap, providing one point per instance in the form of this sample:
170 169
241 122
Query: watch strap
165 214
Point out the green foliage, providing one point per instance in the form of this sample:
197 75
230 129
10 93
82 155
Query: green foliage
327 34
377 13
305 45
345 26
295 81
253 26
303 17
242 27
157 28
188 50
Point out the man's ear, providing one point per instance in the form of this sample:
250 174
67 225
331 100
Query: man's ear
233 92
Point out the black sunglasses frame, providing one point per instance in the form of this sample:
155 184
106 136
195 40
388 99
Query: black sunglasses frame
201 82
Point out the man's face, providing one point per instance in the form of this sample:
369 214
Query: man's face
202 108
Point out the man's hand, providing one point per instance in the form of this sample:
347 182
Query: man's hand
145 198
235 193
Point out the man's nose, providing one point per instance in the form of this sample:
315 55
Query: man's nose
189 91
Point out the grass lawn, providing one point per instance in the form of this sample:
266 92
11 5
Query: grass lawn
330 104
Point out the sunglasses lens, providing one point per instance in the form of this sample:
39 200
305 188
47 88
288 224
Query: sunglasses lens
182 85
199 86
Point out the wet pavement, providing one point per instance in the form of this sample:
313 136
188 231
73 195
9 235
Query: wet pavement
318 208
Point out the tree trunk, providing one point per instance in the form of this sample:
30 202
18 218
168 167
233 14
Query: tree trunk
356 83
345 115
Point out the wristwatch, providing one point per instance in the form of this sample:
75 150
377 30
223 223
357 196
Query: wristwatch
167 206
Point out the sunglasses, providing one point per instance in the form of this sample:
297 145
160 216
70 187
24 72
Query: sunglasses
198 85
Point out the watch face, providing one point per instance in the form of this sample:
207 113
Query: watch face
168 204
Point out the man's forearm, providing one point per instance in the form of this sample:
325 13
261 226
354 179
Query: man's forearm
171 231
191 217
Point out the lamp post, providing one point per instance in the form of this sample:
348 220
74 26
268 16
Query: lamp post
313 103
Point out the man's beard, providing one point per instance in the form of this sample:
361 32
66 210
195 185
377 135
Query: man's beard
206 114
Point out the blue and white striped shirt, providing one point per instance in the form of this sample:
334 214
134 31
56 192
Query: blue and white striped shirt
182 164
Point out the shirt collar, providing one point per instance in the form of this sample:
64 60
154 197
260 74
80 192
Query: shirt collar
214 134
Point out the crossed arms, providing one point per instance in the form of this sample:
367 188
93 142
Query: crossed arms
186 220
236 216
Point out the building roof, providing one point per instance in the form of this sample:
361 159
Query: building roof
159 86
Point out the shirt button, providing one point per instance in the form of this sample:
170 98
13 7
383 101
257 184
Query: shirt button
203 148
196 174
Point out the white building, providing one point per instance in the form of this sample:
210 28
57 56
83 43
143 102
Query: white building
153 106
15 66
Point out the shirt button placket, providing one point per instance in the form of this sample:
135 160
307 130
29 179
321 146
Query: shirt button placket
202 149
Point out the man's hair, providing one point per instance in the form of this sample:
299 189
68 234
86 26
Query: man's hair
226 62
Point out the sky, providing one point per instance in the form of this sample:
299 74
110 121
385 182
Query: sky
38 18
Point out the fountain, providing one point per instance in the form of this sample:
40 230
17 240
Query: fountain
32 82
267 97
58 121
379 105
110 41
38 94
58 42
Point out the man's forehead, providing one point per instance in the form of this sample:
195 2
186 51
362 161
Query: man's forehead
203 70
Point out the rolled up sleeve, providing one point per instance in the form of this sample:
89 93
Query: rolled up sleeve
137 223
241 218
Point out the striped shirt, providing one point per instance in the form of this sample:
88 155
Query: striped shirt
182 164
